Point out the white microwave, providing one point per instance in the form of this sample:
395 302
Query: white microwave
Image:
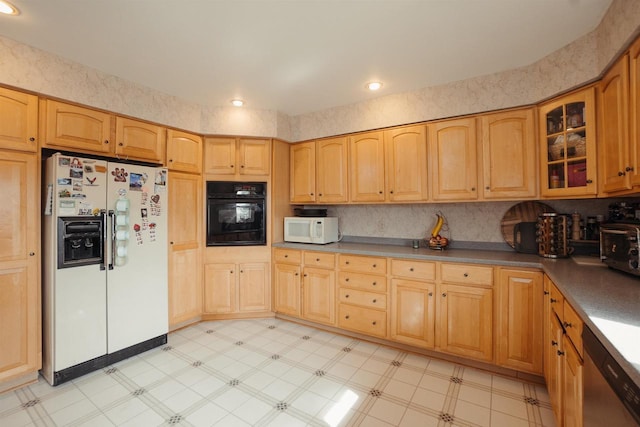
320 230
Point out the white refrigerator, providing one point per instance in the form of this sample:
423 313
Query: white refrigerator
105 291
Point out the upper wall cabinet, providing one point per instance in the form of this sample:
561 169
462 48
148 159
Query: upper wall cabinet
19 124
237 156
302 171
634 112
568 148
184 152
509 168
69 127
366 167
613 101
332 170
453 159
140 140
406 164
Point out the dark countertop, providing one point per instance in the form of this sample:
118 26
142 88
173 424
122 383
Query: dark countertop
608 301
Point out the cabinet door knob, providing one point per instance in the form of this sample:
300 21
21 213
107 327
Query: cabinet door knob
231 165
560 353
32 139
305 274
347 262
546 292
487 188
430 294
286 256
320 194
296 274
411 269
554 343
379 192
391 192
346 317
170 160
106 141
346 280
567 324
32 253
466 274
241 166
346 296
444 294
374 283
171 243
373 323
374 265
231 272
629 169
473 188
375 301
621 173
553 300
121 144
311 194
317 259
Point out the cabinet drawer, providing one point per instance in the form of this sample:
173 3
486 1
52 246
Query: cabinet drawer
289 256
367 282
365 320
573 325
467 274
556 300
363 264
414 269
363 298
319 259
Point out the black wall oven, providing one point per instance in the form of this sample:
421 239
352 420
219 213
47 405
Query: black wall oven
236 213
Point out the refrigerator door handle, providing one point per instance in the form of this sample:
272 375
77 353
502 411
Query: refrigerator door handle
103 250
113 238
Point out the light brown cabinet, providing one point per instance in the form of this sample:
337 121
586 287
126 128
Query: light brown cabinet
634 111
140 140
563 352
453 159
406 164
509 167
413 302
69 127
466 310
366 167
18 121
613 101
568 146
184 152
185 256
237 156
362 294
236 288
520 320
302 171
332 178
319 287
20 312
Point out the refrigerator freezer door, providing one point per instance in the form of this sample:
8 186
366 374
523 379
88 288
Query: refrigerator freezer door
137 286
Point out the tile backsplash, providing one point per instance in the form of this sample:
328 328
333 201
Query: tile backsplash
471 222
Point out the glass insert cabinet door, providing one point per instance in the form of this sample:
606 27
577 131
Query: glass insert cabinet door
568 153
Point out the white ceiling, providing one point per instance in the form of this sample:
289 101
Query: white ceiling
299 56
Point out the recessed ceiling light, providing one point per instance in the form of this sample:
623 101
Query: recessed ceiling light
374 85
8 9
237 102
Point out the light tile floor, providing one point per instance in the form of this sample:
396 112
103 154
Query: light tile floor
271 372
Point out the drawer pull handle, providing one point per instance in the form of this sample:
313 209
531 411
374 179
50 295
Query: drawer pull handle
411 269
430 294
286 256
346 296
317 259
347 262
553 300
568 325
296 274
546 292
373 323
346 317
346 280
305 274
554 343
466 274
375 283
374 266
375 301
560 353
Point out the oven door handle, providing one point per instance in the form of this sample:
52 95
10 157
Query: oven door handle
609 231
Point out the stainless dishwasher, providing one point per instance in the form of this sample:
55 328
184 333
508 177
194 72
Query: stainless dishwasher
611 398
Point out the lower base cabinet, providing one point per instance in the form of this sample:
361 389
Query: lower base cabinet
319 295
236 288
413 315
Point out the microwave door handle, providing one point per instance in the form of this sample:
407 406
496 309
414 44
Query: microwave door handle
311 231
